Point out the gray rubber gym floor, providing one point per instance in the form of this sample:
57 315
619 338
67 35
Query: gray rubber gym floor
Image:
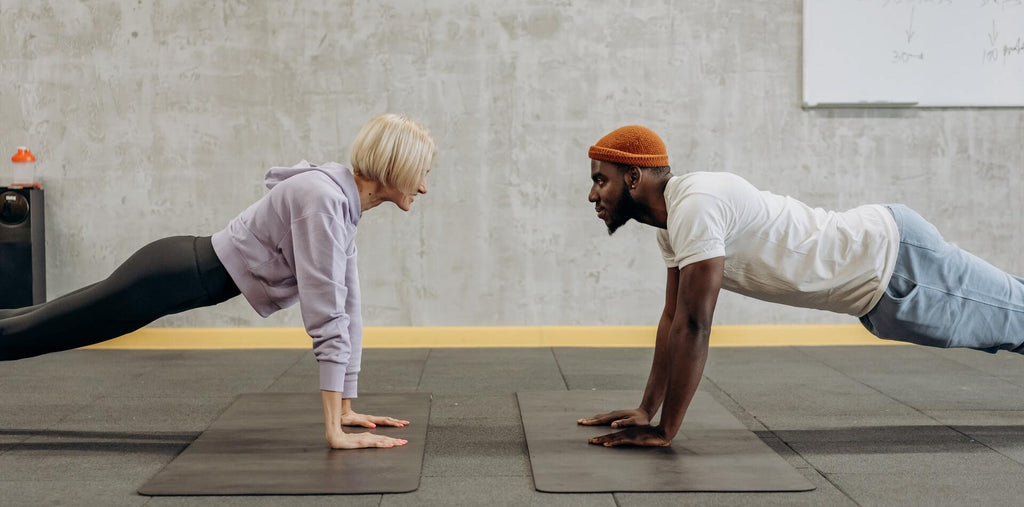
867 425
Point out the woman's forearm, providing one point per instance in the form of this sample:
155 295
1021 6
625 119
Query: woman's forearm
334 407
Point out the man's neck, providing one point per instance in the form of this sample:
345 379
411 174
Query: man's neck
652 208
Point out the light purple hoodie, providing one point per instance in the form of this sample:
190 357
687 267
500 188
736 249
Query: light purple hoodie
298 243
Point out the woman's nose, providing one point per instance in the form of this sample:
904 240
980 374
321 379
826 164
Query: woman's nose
423 187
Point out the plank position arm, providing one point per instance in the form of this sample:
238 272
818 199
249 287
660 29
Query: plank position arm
338 412
680 352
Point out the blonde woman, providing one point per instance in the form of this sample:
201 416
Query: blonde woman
297 243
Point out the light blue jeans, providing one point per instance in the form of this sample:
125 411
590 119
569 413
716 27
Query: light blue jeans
942 296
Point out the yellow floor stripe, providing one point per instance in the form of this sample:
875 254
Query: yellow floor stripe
503 336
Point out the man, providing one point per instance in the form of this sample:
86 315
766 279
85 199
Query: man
883 264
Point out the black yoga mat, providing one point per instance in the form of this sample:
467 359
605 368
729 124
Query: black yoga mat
712 452
273 444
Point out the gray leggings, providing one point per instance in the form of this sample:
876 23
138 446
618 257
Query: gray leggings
167 276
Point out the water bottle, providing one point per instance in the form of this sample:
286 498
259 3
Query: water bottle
24 163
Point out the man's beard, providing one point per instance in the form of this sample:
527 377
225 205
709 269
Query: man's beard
624 211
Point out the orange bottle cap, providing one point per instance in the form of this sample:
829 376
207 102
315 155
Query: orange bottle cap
24 155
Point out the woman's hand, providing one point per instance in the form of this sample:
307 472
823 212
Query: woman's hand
618 419
341 440
338 412
370 421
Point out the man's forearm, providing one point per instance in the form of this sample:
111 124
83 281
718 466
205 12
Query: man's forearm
688 353
657 381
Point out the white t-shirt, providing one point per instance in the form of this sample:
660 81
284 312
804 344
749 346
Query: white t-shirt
777 248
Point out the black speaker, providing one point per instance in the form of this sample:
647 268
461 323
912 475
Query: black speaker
22 247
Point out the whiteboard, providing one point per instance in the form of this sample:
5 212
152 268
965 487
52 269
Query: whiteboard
931 53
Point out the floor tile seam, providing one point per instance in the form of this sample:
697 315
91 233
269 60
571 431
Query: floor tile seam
737 403
12 446
461 371
873 388
426 431
983 444
801 350
995 410
222 397
810 466
919 410
60 421
914 470
502 421
825 477
215 375
827 365
423 369
921 473
104 480
285 370
935 351
561 373
1002 378
101 436
917 441
1006 380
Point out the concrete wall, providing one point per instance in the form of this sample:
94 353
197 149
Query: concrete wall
159 118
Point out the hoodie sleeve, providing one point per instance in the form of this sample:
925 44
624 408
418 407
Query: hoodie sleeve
319 244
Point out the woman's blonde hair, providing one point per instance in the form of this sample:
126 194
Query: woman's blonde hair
393 150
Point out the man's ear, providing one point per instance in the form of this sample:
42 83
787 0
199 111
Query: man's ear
633 177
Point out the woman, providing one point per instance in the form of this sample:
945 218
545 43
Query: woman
297 243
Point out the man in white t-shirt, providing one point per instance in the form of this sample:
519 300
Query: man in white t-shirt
883 264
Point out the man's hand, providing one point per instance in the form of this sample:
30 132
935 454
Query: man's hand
339 440
642 436
370 421
618 419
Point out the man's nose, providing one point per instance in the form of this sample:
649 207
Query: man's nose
593 195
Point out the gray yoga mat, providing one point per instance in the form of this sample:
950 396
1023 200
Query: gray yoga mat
712 452
273 444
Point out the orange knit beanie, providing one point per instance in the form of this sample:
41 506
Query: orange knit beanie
631 145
